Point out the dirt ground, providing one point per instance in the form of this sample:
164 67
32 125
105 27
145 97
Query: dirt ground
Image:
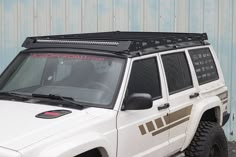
232 149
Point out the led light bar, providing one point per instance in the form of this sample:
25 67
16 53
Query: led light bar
104 43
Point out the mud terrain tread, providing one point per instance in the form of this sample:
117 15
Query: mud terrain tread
197 148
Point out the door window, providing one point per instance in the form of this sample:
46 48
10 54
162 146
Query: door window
145 78
177 72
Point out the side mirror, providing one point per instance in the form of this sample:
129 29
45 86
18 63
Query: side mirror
138 101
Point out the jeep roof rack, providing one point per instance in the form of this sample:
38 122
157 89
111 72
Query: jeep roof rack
119 42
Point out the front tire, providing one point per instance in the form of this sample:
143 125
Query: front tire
209 141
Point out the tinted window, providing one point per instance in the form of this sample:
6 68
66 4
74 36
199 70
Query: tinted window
90 79
33 67
144 78
177 72
204 65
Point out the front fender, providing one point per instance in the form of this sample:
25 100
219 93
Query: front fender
78 145
197 113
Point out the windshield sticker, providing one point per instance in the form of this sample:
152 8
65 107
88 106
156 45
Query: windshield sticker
67 56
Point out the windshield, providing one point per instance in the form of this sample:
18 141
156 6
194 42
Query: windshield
89 79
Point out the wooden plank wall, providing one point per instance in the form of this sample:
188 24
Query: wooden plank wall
22 18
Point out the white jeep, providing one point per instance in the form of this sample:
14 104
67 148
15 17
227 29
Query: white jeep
114 94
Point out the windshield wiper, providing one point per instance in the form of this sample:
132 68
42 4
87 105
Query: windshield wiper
58 97
15 94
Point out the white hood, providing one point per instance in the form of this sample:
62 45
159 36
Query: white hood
20 128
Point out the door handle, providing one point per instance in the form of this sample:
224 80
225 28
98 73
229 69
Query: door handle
162 107
194 95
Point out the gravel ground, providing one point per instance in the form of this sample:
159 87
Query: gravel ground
231 150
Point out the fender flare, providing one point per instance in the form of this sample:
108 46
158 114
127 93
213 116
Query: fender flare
198 110
78 145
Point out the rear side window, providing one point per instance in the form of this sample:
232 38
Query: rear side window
144 78
204 65
177 72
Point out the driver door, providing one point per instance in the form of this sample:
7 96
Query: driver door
143 132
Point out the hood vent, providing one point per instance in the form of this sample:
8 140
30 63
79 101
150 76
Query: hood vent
53 114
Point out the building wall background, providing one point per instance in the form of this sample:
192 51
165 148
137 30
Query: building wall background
22 18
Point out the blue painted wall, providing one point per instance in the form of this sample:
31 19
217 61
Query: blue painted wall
22 18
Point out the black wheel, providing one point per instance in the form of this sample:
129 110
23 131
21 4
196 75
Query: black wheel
209 141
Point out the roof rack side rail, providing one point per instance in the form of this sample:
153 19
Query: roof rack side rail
113 41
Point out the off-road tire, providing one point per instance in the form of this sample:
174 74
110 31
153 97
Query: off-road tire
209 141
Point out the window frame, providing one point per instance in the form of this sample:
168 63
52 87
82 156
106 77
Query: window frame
189 67
146 57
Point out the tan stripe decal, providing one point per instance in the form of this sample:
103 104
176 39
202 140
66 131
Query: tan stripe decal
142 130
223 95
170 126
225 101
189 110
169 119
159 122
178 115
150 126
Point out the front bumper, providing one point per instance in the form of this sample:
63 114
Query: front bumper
226 116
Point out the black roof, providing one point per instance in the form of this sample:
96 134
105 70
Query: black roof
123 43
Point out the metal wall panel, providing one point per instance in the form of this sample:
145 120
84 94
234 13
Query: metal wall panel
225 50
1 34
121 15
105 15
210 21
42 17
233 77
58 16
136 15
151 15
90 15
73 16
167 15
10 31
195 15
21 18
182 15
